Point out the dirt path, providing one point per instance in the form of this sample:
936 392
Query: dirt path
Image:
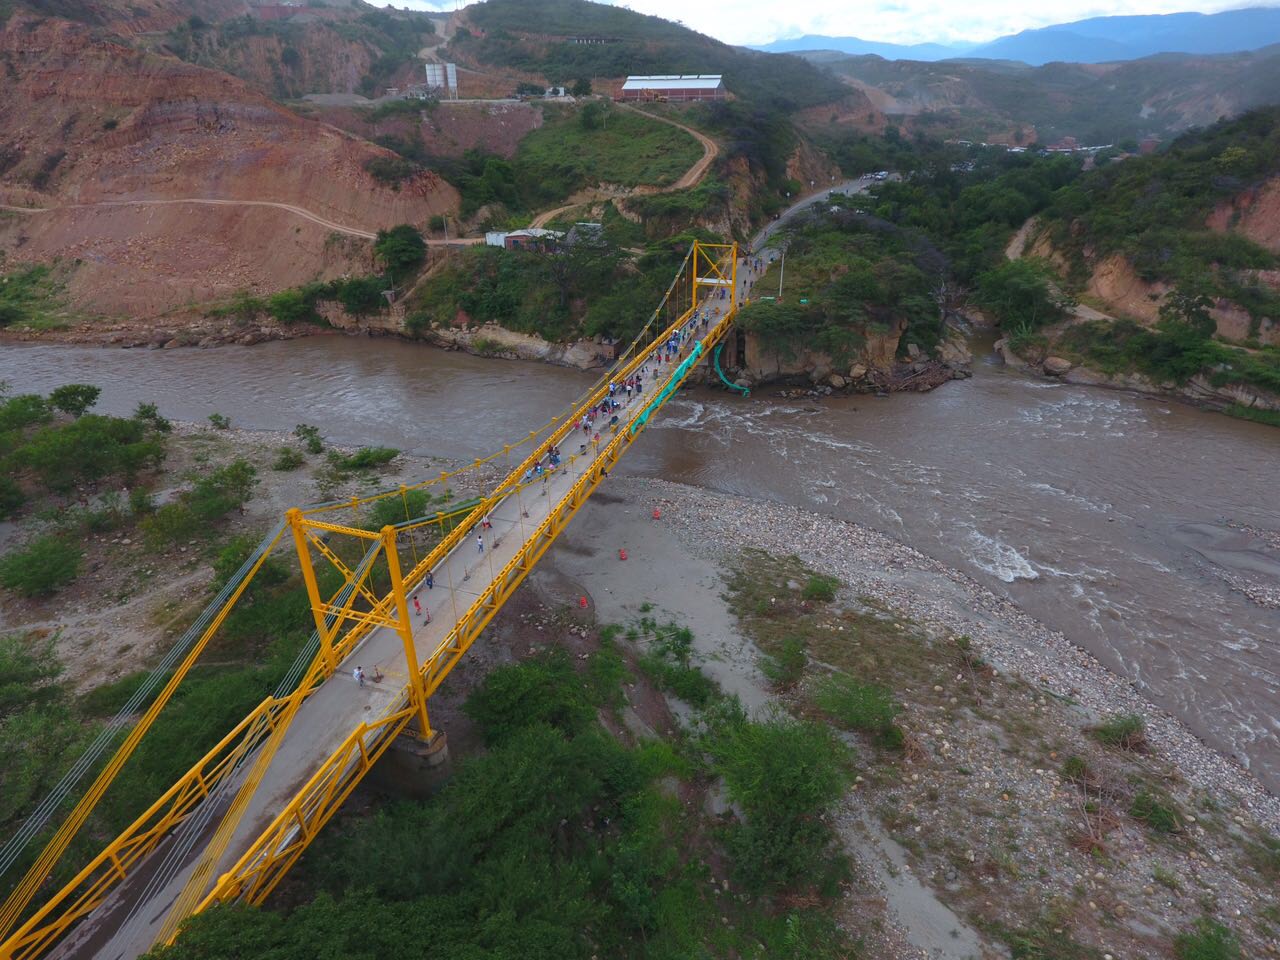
710 149
691 177
302 212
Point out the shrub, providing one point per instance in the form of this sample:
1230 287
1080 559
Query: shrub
90 448
543 690
141 502
1127 731
219 422
366 458
42 567
390 170
22 411
1207 940
225 489
401 249
11 497
1152 810
785 667
855 705
310 436
287 458
392 510
75 398
785 774
290 306
821 587
150 414
1075 769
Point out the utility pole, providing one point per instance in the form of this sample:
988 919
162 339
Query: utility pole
782 271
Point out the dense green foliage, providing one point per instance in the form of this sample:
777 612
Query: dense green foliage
560 842
39 735
1020 293
786 774
41 567
1171 353
195 511
588 289
858 275
970 214
1153 210
29 297
401 250
44 456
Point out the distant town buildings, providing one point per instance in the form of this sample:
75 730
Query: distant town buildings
678 88
1148 145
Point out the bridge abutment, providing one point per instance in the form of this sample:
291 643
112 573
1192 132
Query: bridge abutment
414 768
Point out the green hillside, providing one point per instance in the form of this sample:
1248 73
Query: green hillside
1153 211
517 36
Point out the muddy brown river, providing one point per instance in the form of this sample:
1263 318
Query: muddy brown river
1117 519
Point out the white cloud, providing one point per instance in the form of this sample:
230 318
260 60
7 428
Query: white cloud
896 21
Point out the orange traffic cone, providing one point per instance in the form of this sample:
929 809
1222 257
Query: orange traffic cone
622 554
582 602
657 514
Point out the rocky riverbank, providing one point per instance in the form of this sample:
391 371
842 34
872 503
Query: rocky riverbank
1005 804
1198 391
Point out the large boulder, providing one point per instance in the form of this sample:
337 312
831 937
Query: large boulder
837 381
1057 366
857 371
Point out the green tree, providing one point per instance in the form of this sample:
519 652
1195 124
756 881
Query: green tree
1189 304
1020 292
75 398
581 87
42 567
401 250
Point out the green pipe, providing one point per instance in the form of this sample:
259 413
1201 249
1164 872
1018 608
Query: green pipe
723 379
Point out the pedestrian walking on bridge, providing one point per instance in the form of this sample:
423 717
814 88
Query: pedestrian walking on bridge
479 543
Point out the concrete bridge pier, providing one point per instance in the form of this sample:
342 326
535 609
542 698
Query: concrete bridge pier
414 768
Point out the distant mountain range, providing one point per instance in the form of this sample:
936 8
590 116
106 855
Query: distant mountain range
1096 40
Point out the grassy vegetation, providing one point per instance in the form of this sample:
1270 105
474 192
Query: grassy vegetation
668 662
42 567
1207 940
1127 731
577 147
865 707
30 298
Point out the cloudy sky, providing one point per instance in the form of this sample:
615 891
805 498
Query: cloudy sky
897 21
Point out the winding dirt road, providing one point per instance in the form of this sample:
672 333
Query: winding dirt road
297 211
691 177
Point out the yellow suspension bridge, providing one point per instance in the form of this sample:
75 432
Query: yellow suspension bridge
232 826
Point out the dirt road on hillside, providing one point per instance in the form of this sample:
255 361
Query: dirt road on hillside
302 212
690 178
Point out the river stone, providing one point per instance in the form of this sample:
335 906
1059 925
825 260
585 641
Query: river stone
1057 366
837 381
820 372
857 371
